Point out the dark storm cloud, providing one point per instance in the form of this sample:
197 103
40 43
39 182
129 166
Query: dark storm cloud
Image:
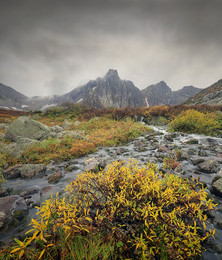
52 46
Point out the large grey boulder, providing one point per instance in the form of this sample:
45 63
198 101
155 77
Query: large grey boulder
12 150
25 127
55 177
94 164
25 171
29 171
209 166
48 191
16 149
24 143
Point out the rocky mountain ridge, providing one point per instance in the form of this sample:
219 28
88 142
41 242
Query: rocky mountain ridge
162 94
210 96
108 91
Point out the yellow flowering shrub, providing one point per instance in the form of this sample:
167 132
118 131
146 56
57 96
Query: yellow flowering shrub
192 121
146 214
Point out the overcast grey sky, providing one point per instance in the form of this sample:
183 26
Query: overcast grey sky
52 46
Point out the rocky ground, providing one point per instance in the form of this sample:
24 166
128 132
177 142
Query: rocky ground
29 185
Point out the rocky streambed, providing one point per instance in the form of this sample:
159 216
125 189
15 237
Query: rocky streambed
29 185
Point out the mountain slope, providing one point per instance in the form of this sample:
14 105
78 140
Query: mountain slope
161 94
179 96
211 95
158 94
10 97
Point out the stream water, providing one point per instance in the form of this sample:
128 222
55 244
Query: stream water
148 147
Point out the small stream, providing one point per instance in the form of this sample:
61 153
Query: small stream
147 148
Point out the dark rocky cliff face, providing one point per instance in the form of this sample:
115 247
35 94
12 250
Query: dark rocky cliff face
109 91
210 96
161 94
10 97
158 94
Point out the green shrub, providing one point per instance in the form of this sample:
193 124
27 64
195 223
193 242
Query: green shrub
192 121
145 214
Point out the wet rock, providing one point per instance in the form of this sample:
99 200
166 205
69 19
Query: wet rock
50 167
150 136
3 193
71 168
162 149
192 151
47 191
55 177
218 221
13 172
212 142
152 160
12 210
197 160
121 150
184 155
192 141
210 256
28 128
19 209
168 138
214 245
218 149
140 146
209 166
202 152
216 187
94 164
29 171
29 191
171 146
218 176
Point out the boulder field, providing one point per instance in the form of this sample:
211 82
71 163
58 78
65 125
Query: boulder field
29 185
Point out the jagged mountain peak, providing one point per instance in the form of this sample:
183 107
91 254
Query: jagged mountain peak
112 74
108 91
163 83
